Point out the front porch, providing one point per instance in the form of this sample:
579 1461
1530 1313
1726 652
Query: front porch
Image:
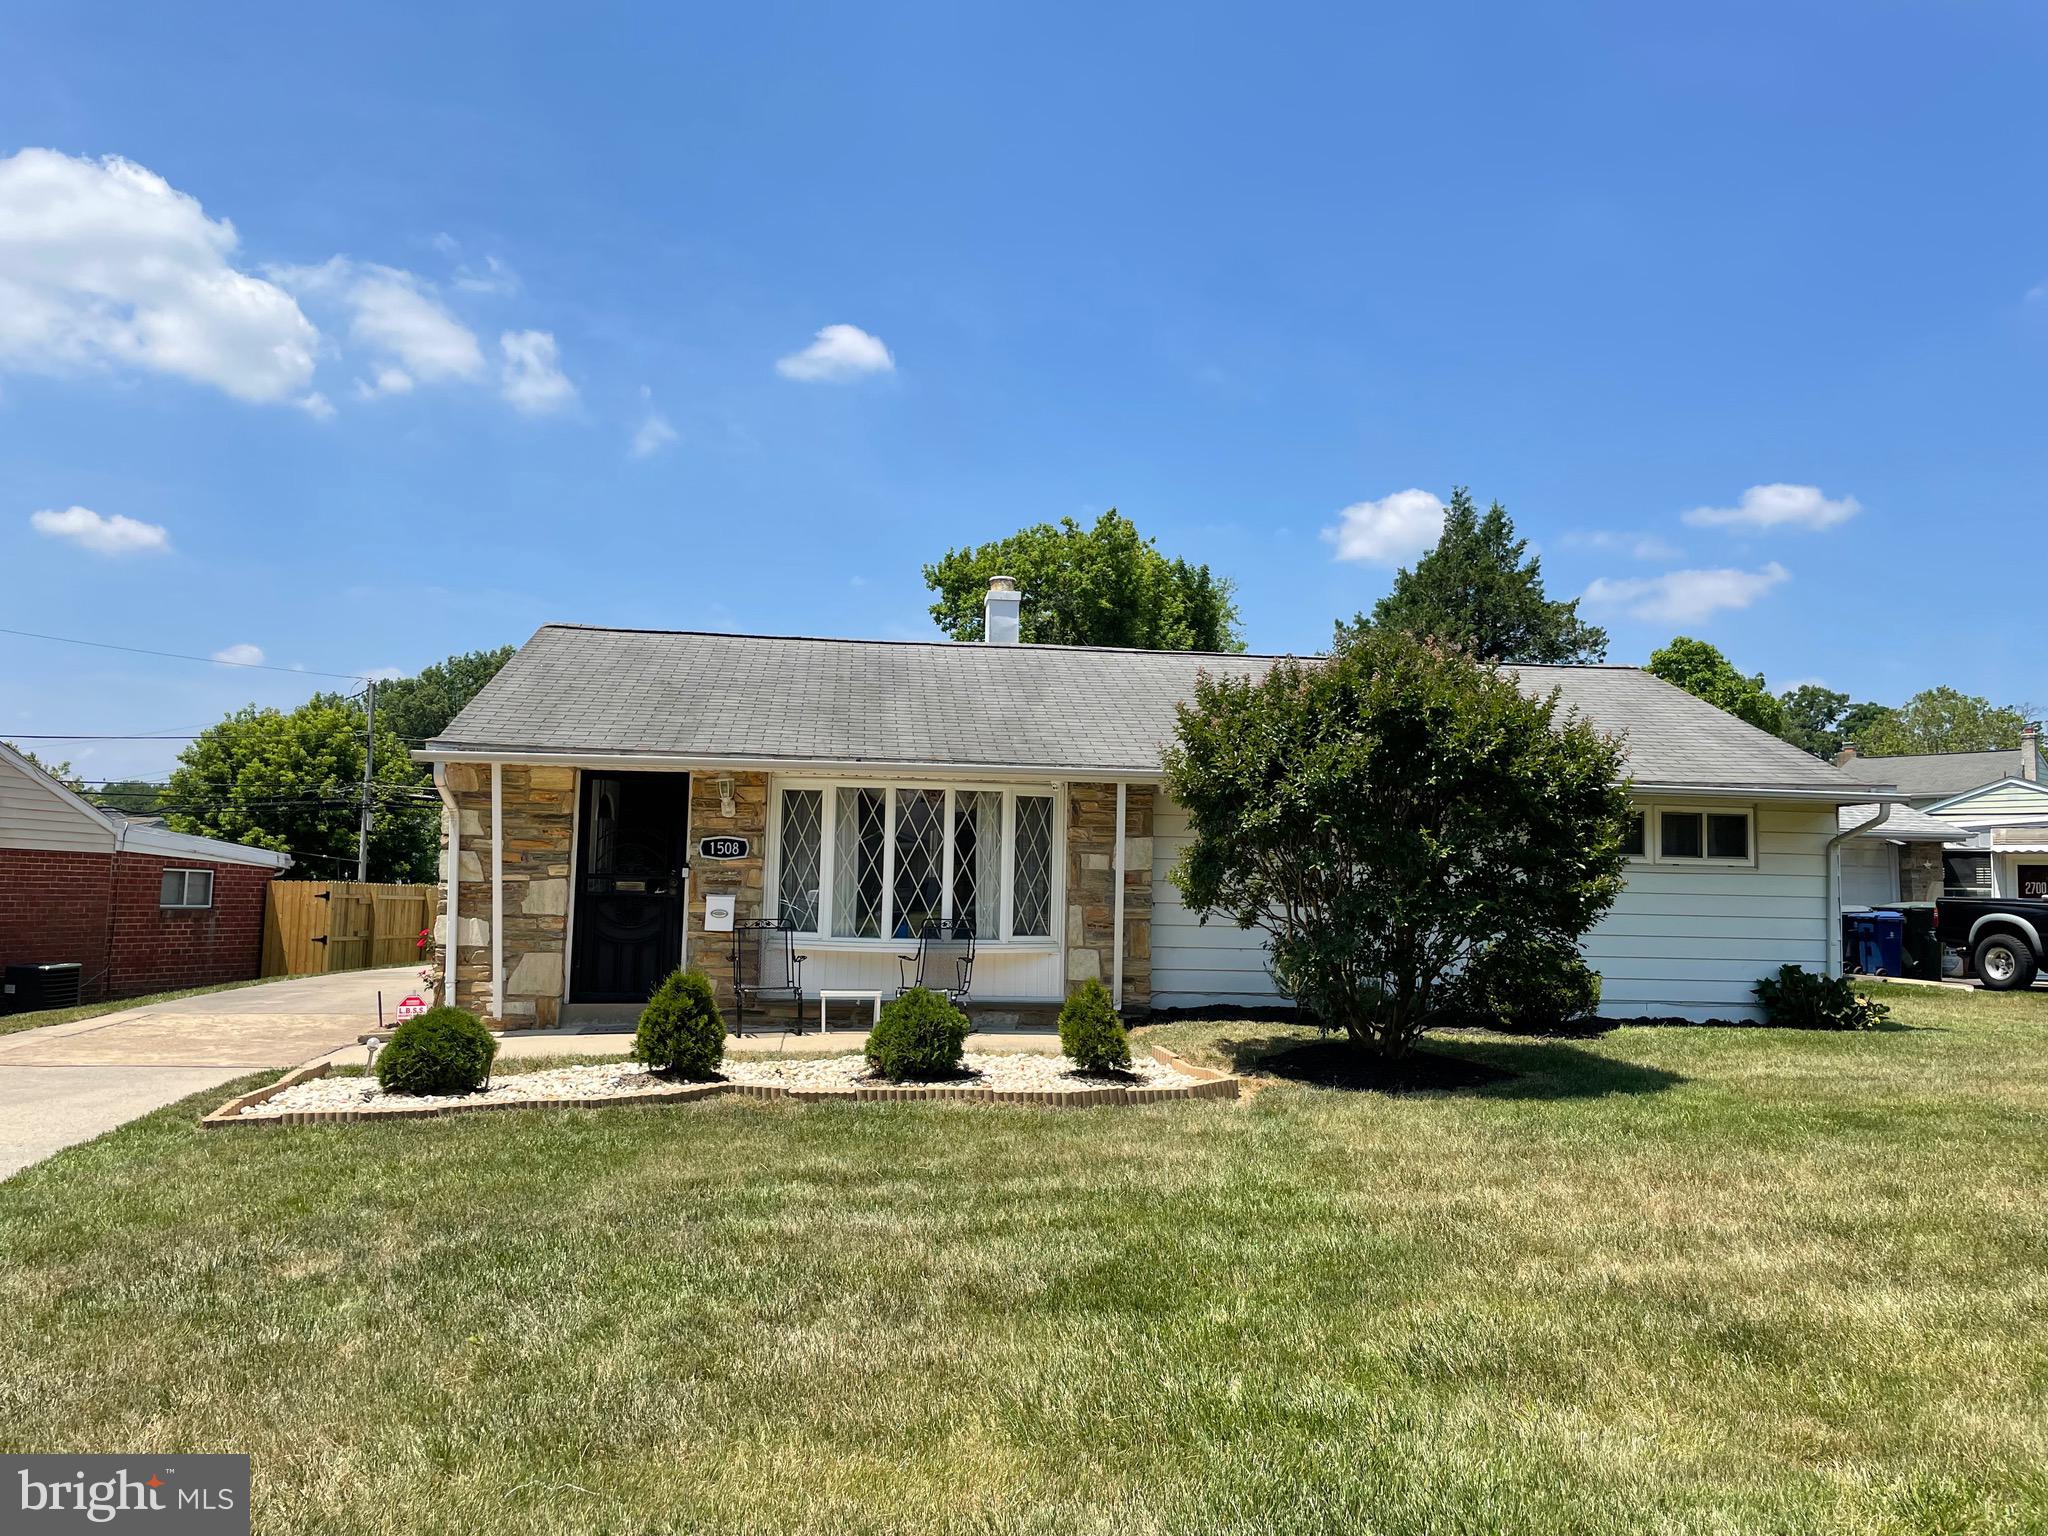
569 889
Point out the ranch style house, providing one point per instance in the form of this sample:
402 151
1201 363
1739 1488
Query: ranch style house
617 800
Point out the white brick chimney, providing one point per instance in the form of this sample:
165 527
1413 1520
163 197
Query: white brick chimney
2030 754
1000 621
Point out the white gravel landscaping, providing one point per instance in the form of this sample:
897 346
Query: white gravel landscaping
1018 1073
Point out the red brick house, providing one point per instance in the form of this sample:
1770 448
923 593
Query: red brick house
139 907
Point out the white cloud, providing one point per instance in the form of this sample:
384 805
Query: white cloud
838 352
1778 506
242 654
1637 546
389 381
529 377
652 435
1387 531
494 279
394 314
383 674
116 535
105 265
1684 597
316 405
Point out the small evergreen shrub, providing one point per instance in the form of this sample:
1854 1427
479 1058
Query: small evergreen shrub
444 1050
920 1036
1526 987
681 1033
1796 999
1091 1034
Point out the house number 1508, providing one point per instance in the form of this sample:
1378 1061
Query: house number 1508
722 848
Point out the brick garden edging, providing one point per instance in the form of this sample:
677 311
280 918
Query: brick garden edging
1204 1083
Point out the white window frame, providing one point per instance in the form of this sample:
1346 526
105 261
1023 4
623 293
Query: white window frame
1653 835
185 886
825 938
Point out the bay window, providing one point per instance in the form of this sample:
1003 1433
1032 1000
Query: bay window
880 861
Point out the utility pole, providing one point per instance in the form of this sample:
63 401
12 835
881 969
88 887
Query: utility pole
369 763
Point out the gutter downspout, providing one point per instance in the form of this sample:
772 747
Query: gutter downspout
113 887
1884 811
1116 995
452 930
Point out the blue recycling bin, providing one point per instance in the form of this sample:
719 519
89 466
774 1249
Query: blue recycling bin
1880 939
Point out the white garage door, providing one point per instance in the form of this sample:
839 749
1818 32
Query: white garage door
1194 966
1870 872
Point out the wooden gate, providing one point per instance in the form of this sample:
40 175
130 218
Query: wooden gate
311 927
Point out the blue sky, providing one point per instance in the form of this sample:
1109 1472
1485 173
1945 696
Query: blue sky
515 315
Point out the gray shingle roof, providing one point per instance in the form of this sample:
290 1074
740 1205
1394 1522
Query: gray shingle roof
1904 825
767 698
1936 775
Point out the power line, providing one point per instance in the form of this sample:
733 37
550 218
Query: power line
212 661
46 736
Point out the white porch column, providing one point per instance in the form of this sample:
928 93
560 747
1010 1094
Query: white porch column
452 934
1116 991
498 891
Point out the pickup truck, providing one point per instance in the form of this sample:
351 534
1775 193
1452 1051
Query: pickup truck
2001 938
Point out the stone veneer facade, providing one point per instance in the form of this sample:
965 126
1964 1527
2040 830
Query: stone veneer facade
1920 872
739 878
539 820
1091 889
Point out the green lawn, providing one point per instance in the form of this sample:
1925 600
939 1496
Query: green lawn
1684 1280
10 1022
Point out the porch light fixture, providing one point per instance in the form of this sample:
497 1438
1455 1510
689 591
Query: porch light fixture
725 803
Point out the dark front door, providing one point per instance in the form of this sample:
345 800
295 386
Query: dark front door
629 885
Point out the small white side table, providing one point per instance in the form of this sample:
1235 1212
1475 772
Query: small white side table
848 994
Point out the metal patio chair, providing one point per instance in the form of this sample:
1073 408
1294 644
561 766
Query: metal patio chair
944 962
765 965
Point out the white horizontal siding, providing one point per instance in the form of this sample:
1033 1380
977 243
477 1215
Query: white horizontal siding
1197 965
1870 872
1692 942
1999 805
1689 942
32 815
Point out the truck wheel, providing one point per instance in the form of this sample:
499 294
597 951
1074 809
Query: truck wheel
2004 963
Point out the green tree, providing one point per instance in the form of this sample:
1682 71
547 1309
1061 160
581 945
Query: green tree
1702 671
133 797
293 782
1943 720
61 772
1388 816
1476 590
1824 721
1105 585
417 709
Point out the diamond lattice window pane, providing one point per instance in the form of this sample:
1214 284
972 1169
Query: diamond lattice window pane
859 835
803 844
978 861
920 860
1031 916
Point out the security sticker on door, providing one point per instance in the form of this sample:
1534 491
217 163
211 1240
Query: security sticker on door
718 914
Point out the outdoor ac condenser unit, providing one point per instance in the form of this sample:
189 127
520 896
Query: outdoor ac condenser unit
31 988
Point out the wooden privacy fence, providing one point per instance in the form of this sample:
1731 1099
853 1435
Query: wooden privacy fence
311 927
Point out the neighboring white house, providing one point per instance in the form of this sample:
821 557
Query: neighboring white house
1896 858
618 799
1995 803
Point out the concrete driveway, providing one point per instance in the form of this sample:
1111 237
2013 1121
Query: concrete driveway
68 1083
